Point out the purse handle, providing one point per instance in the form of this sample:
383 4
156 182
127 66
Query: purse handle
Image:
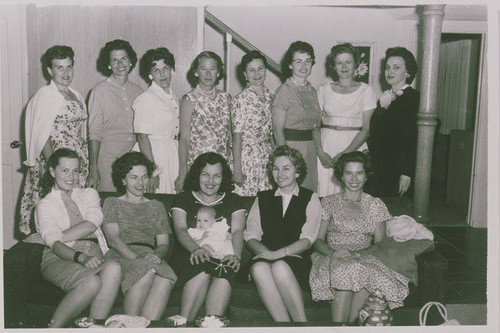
425 310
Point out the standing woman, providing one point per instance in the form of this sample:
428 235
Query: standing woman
205 117
295 110
111 132
393 128
56 117
138 231
156 119
205 279
68 220
252 128
347 108
282 225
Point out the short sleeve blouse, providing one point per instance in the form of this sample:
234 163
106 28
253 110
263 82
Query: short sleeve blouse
138 223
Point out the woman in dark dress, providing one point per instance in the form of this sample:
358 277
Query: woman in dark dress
282 225
393 128
205 279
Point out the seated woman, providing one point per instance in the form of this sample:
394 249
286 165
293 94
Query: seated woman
204 278
137 229
351 221
68 220
282 225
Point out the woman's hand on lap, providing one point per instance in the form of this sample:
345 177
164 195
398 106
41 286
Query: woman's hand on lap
199 255
90 262
153 258
270 255
232 261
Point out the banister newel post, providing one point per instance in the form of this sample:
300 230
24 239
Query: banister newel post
227 60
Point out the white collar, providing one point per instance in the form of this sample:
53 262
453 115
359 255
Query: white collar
280 193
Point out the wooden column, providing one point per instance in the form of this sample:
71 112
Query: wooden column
427 116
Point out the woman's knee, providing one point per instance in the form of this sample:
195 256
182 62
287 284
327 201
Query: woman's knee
260 269
91 284
113 270
163 283
281 270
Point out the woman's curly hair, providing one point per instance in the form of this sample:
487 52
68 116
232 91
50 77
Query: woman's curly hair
334 52
104 56
148 59
122 166
354 156
298 46
295 157
192 181
47 182
193 79
409 59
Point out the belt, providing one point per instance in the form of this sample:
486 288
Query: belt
297 135
342 128
142 244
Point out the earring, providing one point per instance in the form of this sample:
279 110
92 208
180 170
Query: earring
196 74
150 77
407 75
109 67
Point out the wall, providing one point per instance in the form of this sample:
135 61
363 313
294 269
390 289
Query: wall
322 27
87 28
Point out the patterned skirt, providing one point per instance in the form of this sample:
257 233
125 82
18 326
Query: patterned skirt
329 274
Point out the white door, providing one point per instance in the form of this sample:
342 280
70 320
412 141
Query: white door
13 87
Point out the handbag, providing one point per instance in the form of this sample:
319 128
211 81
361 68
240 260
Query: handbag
442 311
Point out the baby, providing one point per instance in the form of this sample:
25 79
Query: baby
211 234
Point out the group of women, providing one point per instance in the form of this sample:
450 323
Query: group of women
211 148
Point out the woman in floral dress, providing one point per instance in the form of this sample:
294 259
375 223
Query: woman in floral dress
352 221
56 117
252 128
204 119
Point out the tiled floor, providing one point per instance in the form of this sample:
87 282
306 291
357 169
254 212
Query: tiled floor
465 249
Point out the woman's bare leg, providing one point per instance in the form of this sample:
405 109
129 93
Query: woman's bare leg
218 297
268 291
290 290
357 303
105 298
135 296
193 295
75 301
341 306
157 298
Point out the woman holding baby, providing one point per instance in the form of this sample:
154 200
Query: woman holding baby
205 269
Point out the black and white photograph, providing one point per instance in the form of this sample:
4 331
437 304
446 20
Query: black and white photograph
269 164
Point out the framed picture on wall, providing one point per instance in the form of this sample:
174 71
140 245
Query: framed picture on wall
366 50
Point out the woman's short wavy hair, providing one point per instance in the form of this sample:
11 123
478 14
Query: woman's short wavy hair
409 59
48 181
298 46
193 79
295 157
192 181
57 52
122 166
354 156
148 59
104 56
245 60
334 52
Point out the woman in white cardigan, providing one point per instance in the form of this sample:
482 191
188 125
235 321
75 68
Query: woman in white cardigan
56 117
68 220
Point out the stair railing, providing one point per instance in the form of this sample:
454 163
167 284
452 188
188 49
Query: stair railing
232 36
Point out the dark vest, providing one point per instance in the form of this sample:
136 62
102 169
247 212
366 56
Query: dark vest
280 231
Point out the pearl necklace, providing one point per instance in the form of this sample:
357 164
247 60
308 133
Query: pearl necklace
210 93
298 84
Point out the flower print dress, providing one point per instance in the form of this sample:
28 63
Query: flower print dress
210 125
67 132
252 117
329 274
